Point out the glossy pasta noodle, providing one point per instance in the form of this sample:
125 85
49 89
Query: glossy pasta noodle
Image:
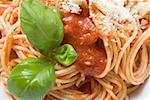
127 51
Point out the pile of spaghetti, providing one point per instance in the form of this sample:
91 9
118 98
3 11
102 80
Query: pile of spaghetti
122 54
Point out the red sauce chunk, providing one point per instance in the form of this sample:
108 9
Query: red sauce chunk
81 33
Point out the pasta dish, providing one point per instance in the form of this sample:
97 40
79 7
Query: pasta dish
74 49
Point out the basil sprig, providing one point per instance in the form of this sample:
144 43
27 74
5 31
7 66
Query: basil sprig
33 78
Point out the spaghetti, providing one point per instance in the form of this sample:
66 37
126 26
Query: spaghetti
126 44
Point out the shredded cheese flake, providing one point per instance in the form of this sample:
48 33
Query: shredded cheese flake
72 6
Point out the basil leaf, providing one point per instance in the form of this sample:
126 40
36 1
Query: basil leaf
42 25
32 79
65 54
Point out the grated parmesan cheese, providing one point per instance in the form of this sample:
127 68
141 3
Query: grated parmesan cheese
114 10
72 6
110 16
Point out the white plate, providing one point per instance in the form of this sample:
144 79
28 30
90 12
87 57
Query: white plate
143 93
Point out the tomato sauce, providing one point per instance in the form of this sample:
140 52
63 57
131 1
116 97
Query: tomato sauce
82 34
2 10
